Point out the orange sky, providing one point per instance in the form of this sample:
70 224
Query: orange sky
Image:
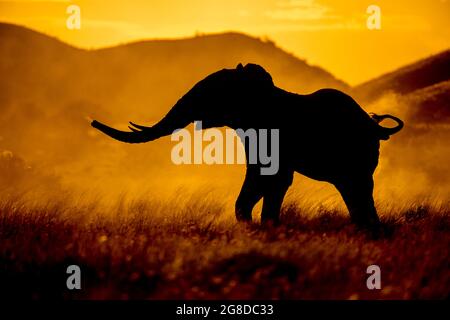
332 34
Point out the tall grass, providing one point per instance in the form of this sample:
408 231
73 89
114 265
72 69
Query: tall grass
191 247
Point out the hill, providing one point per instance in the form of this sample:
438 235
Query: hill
421 74
430 104
420 90
156 70
49 84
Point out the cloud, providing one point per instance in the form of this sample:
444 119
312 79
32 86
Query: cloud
299 10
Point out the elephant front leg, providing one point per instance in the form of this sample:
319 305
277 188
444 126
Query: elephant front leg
275 190
251 193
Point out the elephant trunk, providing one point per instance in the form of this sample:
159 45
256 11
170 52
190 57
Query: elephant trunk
175 119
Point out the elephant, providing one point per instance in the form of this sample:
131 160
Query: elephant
324 135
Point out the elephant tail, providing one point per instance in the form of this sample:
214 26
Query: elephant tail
383 132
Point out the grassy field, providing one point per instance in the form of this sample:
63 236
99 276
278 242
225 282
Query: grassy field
195 250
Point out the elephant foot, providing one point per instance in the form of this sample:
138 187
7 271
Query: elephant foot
270 222
373 228
378 231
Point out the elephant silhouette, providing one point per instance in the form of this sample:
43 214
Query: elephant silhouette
324 135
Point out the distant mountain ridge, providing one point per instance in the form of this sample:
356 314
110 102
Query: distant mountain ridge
415 76
49 89
421 88
155 71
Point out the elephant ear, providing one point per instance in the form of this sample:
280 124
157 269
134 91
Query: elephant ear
258 74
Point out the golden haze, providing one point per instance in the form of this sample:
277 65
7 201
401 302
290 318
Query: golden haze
125 86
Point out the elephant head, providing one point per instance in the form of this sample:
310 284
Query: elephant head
216 101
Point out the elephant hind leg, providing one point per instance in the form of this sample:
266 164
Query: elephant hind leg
357 192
